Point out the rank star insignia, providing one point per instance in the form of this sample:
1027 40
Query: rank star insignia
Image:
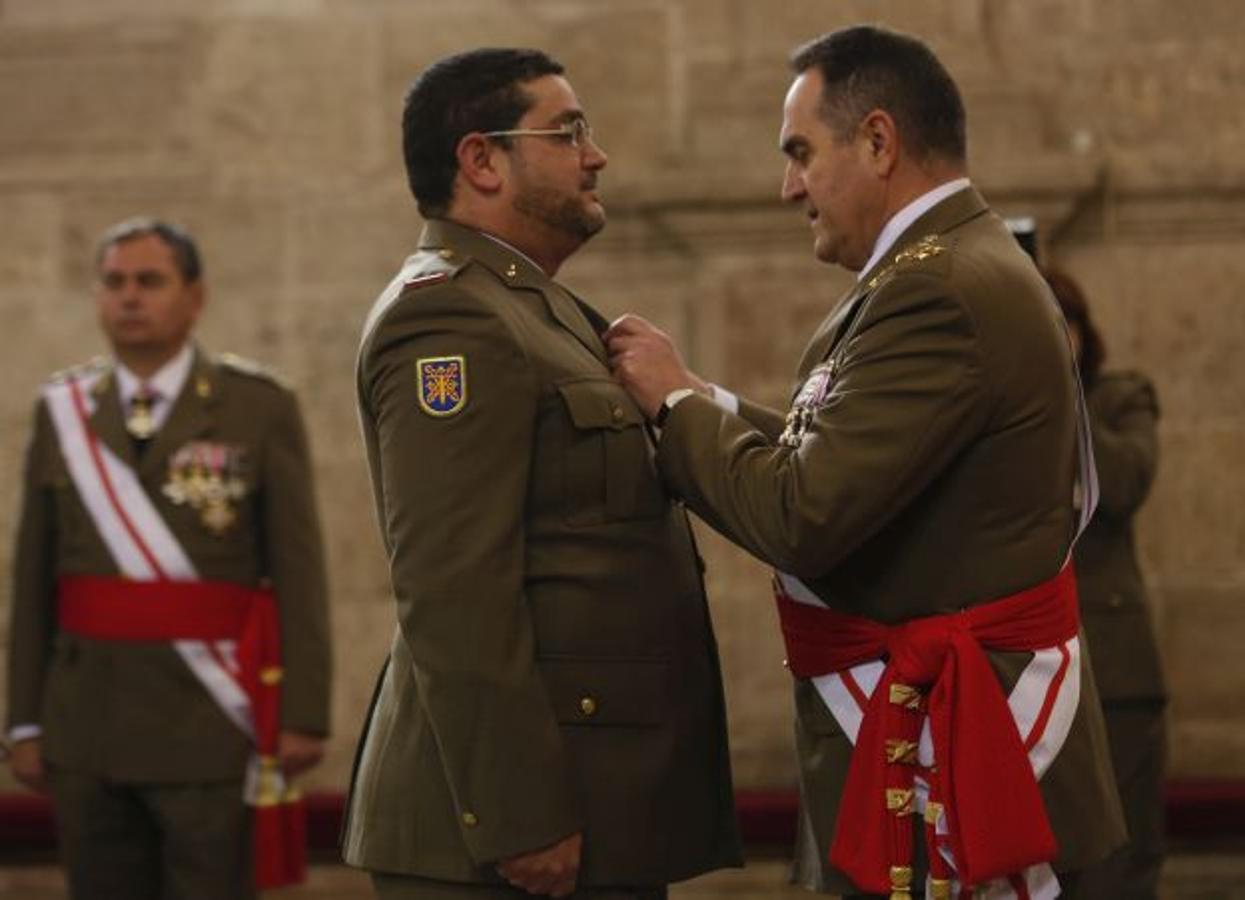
442 385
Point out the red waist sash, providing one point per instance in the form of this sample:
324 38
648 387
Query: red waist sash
982 779
121 609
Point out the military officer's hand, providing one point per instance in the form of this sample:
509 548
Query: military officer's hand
551 871
298 752
646 363
27 764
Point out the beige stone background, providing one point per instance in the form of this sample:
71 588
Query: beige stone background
269 127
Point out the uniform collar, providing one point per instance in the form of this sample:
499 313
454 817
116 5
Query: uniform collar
946 214
167 382
902 220
452 240
455 243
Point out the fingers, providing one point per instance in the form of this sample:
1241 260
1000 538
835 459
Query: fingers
27 764
555 880
297 753
552 871
625 325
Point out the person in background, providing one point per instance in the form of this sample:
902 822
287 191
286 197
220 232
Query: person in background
1115 609
168 649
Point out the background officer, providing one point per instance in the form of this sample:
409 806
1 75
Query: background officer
162 487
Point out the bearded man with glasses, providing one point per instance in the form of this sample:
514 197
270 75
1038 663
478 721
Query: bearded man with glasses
550 717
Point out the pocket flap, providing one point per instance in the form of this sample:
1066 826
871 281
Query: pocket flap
606 692
599 403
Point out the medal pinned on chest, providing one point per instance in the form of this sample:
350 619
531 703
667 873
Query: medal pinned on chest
811 397
209 478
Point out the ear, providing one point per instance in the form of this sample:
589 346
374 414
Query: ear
881 139
479 164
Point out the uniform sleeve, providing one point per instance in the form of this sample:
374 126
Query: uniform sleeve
1126 448
454 488
908 396
770 422
295 562
32 623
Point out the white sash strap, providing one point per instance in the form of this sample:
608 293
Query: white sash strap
139 540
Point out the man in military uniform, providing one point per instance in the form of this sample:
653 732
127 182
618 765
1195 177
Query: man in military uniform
168 532
550 719
917 501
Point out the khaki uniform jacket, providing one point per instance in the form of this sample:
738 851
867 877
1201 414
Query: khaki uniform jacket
935 473
134 711
1114 604
554 667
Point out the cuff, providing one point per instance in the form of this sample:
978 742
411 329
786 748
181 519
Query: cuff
725 399
24 733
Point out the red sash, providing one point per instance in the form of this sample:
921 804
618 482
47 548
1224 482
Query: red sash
982 780
121 609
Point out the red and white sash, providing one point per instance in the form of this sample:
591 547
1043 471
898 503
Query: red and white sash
1043 702
142 545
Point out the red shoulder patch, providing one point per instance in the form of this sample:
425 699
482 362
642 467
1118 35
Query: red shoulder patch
422 281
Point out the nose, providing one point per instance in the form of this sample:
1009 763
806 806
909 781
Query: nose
594 157
792 185
131 292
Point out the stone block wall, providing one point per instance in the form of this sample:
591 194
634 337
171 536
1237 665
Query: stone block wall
269 127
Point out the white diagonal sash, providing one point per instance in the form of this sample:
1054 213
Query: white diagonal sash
142 545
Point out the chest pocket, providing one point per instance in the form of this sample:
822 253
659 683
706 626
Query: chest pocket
607 464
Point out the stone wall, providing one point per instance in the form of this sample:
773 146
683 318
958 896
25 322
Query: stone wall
269 127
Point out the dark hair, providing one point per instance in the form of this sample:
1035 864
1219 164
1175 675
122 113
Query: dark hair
1076 311
480 90
866 68
185 253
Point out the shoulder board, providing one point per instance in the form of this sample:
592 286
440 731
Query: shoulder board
90 367
250 367
926 248
435 267
428 279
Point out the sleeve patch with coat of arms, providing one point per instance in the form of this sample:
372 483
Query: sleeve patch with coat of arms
442 385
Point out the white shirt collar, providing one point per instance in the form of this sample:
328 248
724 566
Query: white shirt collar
899 222
167 382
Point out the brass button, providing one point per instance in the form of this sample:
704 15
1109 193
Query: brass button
470 820
617 413
512 270
588 706
447 253
1115 601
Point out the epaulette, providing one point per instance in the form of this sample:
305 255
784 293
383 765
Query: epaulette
90 367
443 265
926 248
250 367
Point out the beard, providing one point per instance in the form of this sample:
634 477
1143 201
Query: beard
571 214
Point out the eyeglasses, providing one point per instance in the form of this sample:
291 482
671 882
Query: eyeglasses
576 132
